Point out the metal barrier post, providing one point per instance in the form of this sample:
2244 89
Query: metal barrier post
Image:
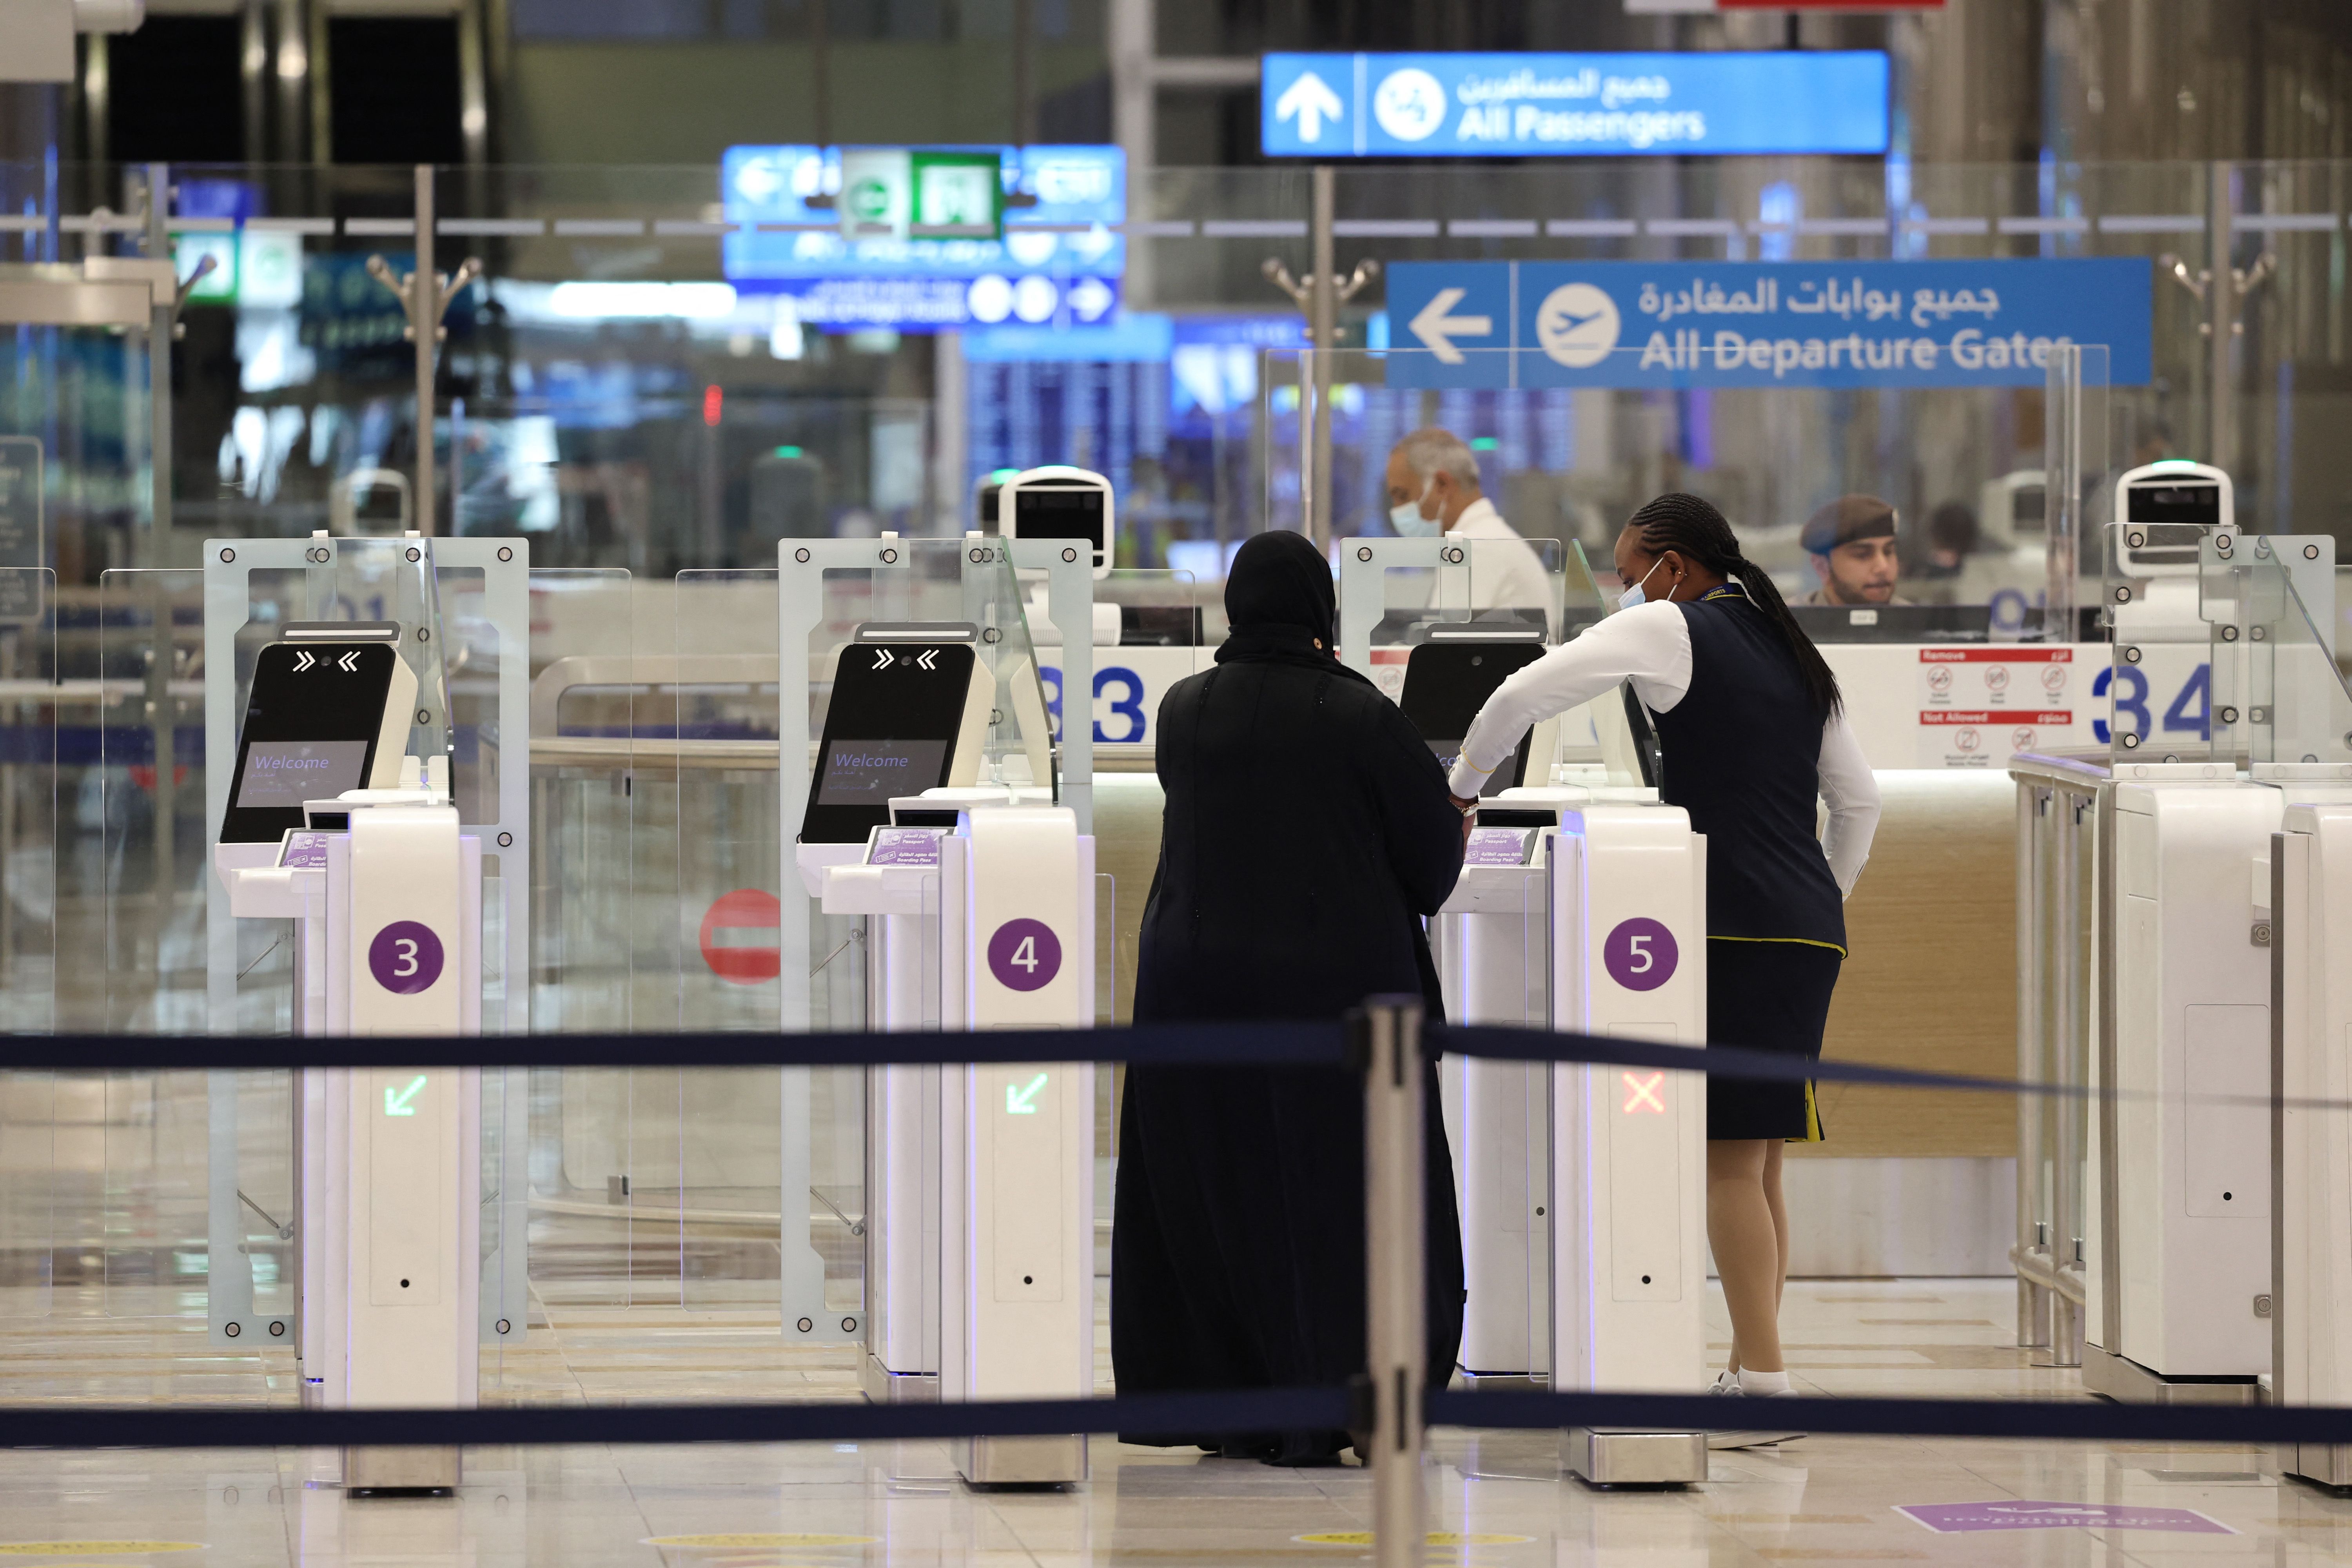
2035 805
1396 1332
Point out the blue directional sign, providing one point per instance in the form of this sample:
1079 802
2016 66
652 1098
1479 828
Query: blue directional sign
1762 323
1527 105
1059 263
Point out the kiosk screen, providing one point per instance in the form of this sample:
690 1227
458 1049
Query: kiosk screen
890 730
288 772
869 772
1445 684
2192 503
311 727
1049 511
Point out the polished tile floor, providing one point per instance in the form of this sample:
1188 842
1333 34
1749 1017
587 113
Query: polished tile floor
1496 1499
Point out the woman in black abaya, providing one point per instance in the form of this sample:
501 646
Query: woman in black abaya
1308 832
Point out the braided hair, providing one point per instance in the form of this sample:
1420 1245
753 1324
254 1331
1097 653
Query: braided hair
1693 527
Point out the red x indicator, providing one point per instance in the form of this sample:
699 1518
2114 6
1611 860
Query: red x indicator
1642 1094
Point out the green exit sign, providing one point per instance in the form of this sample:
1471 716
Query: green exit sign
958 196
899 193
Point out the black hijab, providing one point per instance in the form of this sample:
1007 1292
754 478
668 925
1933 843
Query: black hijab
1280 604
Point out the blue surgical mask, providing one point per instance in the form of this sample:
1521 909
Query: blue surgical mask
1408 521
1633 596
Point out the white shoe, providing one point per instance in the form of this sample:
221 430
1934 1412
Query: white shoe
1728 1387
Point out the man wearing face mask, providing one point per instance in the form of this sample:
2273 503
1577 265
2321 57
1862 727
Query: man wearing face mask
1433 485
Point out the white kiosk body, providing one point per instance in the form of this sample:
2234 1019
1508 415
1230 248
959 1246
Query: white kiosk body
1629 1146
385 897
2186 1187
1492 943
981 1215
2311 1060
1583 1188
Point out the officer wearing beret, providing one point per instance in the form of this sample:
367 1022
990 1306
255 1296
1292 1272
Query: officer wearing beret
1852 541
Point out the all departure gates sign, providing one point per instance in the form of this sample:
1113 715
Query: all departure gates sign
1763 323
1529 105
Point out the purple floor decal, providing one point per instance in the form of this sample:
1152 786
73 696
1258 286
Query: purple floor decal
1953 1517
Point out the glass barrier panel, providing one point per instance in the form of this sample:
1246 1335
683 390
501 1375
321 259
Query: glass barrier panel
590 948
30 1102
2280 703
140 827
1565 443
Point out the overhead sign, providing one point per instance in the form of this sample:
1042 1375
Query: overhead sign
1762 323
898 192
920 261
1522 105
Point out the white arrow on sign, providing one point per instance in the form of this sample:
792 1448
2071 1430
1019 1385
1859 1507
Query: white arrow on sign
303 659
924 659
882 659
1090 297
1310 102
349 664
1435 328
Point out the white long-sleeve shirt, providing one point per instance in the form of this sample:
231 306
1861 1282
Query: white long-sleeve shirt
1650 645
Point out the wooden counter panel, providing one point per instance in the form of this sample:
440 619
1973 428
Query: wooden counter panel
1931 982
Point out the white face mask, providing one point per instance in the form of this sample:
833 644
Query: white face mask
1633 596
1407 520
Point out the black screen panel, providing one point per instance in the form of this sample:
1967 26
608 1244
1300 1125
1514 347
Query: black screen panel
890 730
310 730
1445 684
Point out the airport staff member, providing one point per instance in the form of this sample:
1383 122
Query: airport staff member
1306 836
1752 728
1433 485
1851 542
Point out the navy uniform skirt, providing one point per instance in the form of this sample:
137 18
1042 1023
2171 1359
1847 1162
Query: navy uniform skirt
1768 997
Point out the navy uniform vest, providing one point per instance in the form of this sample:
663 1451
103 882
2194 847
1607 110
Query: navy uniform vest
1742 754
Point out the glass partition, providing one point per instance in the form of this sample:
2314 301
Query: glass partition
139 859
2280 702
1567 449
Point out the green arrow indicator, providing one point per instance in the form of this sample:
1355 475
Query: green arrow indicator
402 1102
1023 1101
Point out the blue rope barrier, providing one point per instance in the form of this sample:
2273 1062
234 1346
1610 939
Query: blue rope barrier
1231 1412
215 1427
1287 1044
1284 1043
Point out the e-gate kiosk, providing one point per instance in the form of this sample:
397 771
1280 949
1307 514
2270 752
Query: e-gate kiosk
1580 907
2181 1245
330 826
976 891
